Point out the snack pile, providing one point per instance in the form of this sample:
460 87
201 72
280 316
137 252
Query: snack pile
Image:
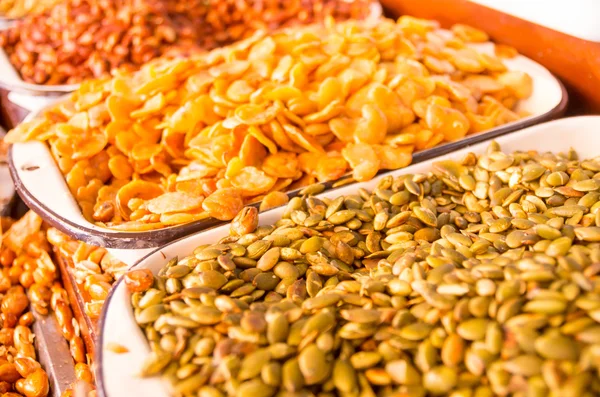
74 40
477 278
30 289
190 138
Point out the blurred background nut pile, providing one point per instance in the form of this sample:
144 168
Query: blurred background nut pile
232 20
20 8
181 140
79 39
478 278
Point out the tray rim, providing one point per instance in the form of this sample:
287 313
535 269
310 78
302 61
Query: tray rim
108 238
99 373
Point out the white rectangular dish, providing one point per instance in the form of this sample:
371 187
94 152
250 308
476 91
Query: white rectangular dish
116 374
34 170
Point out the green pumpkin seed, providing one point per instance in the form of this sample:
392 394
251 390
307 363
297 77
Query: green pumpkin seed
253 363
155 362
311 190
177 271
532 172
588 185
416 331
361 315
554 346
266 281
313 365
255 387
403 373
320 322
341 217
589 335
546 306
150 314
364 359
559 247
559 178
208 253
292 378
344 376
205 315
440 380
412 187
211 279
472 329
547 232
400 198
269 259
591 233
525 365
258 248
425 216
568 210
271 374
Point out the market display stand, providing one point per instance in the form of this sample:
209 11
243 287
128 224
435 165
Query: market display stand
523 35
575 61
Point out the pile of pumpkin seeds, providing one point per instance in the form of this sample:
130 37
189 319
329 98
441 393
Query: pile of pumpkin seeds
479 278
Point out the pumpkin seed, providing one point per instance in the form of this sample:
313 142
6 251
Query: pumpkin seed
313 365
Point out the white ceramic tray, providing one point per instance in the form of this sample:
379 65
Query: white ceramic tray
42 186
116 374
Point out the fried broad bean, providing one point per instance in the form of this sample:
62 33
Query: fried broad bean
273 200
184 139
